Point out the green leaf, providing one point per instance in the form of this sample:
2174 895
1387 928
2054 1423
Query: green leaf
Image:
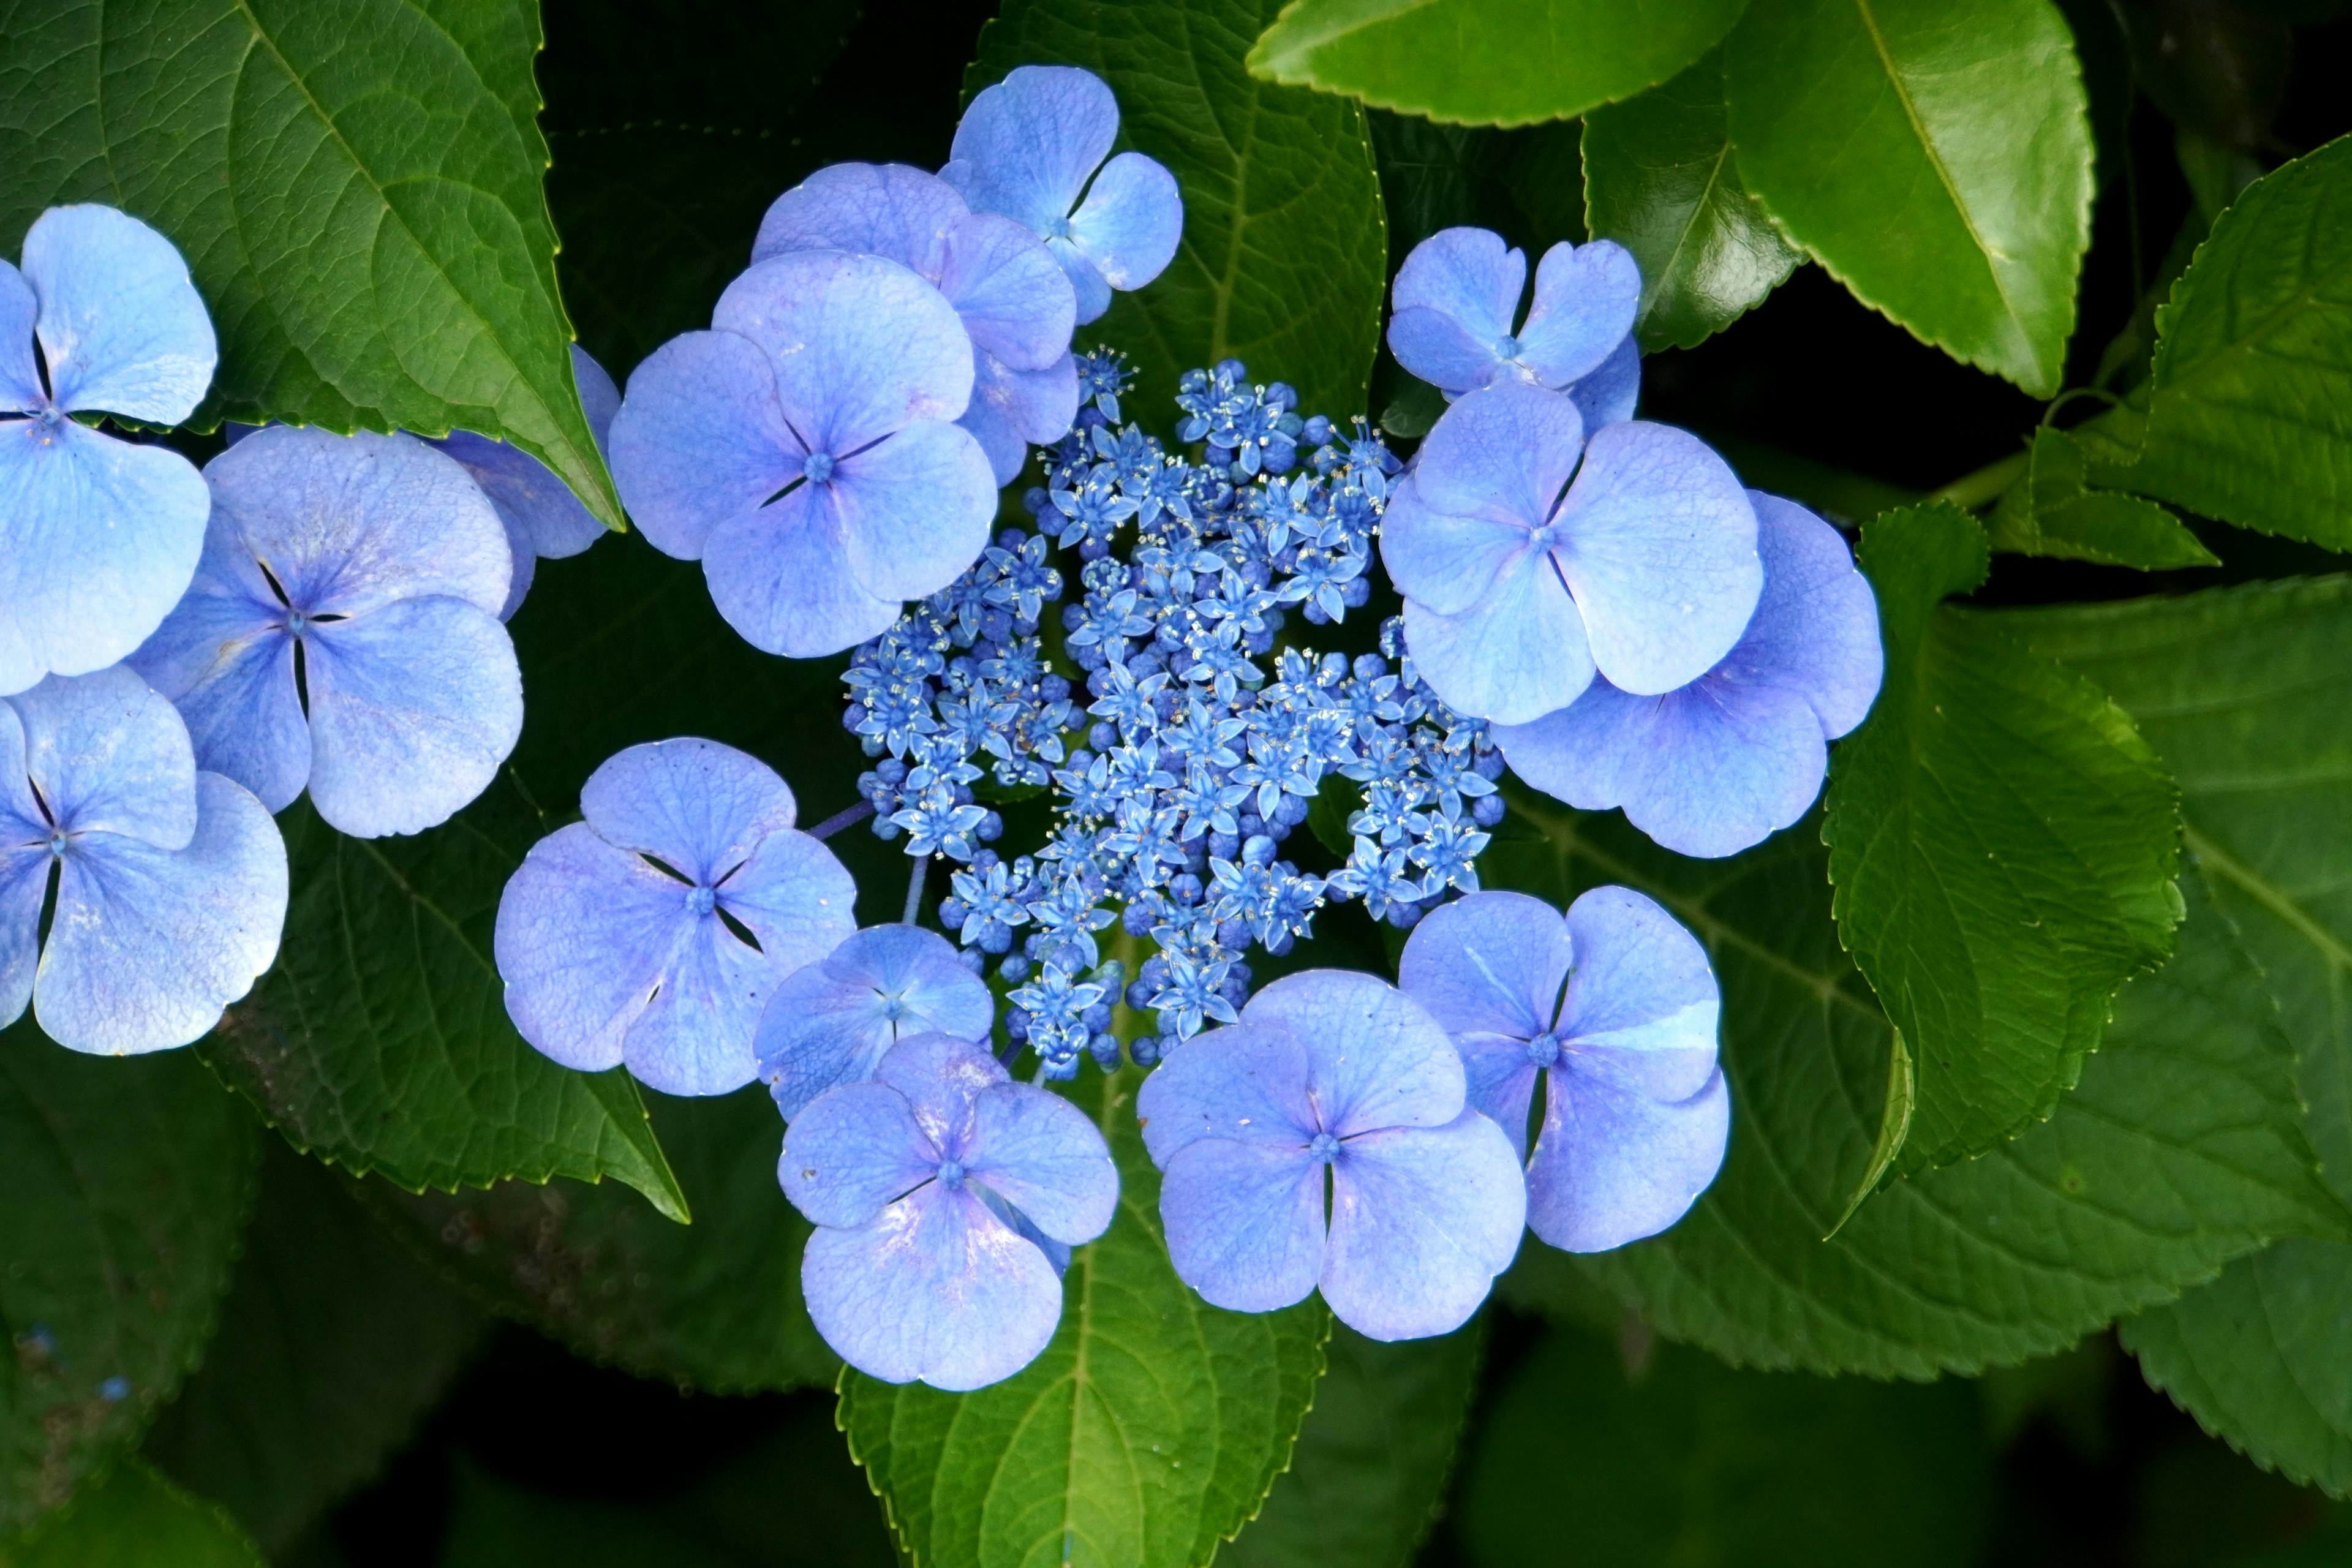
1284 263
356 188
2246 414
2179 1148
1146 1432
2054 512
2003 845
126 1182
1368 1478
1487 62
133 1518
1935 155
1680 1460
332 1345
1661 179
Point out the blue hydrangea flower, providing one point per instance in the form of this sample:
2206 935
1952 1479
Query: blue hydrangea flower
1456 299
1013 297
1635 1111
1719 765
945 1198
1331 1075
802 449
1519 583
1027 148
652 933
341 633
170 882
830 1022
98 536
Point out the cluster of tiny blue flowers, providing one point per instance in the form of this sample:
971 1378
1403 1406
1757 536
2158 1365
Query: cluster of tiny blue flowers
1195 742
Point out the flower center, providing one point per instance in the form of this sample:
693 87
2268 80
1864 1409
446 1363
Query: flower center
1506 347
894 1007
1544 1049
818 466
1059 229
57 842
296 622
950 1174
700 900
1324 1147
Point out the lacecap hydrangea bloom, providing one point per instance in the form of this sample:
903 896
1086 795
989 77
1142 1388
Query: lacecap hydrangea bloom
170 881
98 536
833 1021
650 934
1616 1010
945 1199
342 634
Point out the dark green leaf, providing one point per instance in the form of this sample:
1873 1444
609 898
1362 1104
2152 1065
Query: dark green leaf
133 1518
1145 1434
1935 155
1488 62
333 1343
355 186
126 1182
1284 262
2003 845
2054 512
1683 1461
1661 180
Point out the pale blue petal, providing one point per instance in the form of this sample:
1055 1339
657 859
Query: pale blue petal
1237 1083
1815 631
109 755
700 438
121 324
1609 394
1132 221
1014 410
1504 454
413 707
149 946
1585 298
584 938
915 509
1011 294
20 377
1091 288
1642 1006
1661 556
695 1037
852 1152
832 1021
1467 274
941 1076
1438 348
936 1289
225 659
1027 145
23 819
97 541
1491 963
696 805
540 514
1423 1219
1613 1165
1375 1057
24 889
860 345
795 898
599 398
1445 561
875 209
1516 654
1502 1082
781 576
1244 1221
1044 1155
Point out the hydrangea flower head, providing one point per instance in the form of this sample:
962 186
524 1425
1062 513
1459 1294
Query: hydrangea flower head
1713 767
1615 1007
1028 148
171 881
341 633
98 536
802 449
1529 557
832 1021
651 933
937 1189
1012 296
1331 1076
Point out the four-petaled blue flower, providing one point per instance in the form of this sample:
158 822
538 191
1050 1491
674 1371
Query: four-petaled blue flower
170 881
1330 1072
342 630
1635 1111
1719 765
651 934
802 449
1518 583
1027 147
938 1189
831 1022
98 536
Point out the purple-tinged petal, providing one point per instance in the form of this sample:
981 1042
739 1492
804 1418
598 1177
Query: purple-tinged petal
941 1076
1614 1165
1445 561
1516 654
1041 1153
852 1153
122 322
781 576
109 755
1375 1057
935 1289
1641 1006
1091 288
1586 296
1491 963
1014 410
599 400
1505 453
873 209
1422 1218
700 438
831 1022
1609 394
1011 294
1132 221
1468 274
1815 630
1244 1221
1237 1083
20 377
586 934
24 889
696 805
1027 145
915 509
695 1035
1441 351
149 946
224 659
1501 1077
541 515
795 898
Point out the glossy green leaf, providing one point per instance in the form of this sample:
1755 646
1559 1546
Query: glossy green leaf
1284 262
133 1518
332 1344
1146 1434
126 1182
1488 62
2054 512
2003 845
2246 416
1935 155
1661 179
1370 1472
355 186
1682 1460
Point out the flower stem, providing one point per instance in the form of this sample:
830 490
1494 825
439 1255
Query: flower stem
915 889
841 819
